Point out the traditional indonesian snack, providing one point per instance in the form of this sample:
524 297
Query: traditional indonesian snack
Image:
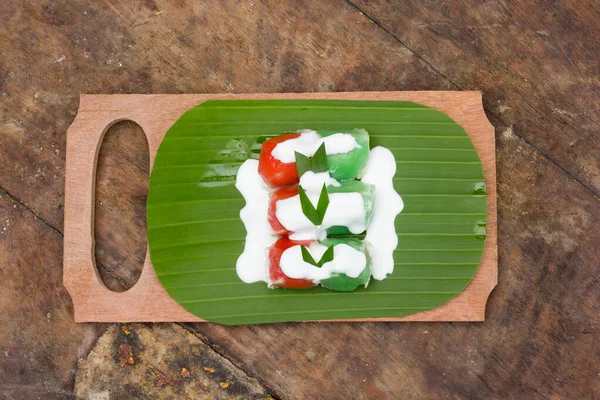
347 154
338 264
320 210
349 211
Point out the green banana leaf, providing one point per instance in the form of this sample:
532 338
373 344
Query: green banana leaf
195 234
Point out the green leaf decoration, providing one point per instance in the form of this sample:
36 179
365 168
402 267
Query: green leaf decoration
314 215
307 257
319 160
195 234
303 163
327 257
323 203
316 163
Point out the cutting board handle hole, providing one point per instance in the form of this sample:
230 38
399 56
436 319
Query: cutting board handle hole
121 188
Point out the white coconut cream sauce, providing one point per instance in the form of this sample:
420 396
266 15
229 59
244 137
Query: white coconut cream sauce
308 142
252 264
381 233
346 260
345 209
313 182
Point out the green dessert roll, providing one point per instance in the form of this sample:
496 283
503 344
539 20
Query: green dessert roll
341 281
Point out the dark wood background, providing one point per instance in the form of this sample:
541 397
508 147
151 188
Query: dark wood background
538 65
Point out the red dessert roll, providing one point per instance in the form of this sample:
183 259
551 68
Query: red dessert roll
276 276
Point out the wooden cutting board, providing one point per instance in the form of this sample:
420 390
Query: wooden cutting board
148 301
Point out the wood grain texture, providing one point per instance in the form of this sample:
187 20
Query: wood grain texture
38 341
120 236
160 362
147 300
538 68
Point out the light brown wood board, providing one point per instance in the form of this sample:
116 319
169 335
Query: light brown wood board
148 301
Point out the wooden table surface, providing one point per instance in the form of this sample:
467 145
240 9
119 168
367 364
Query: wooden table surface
538 65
